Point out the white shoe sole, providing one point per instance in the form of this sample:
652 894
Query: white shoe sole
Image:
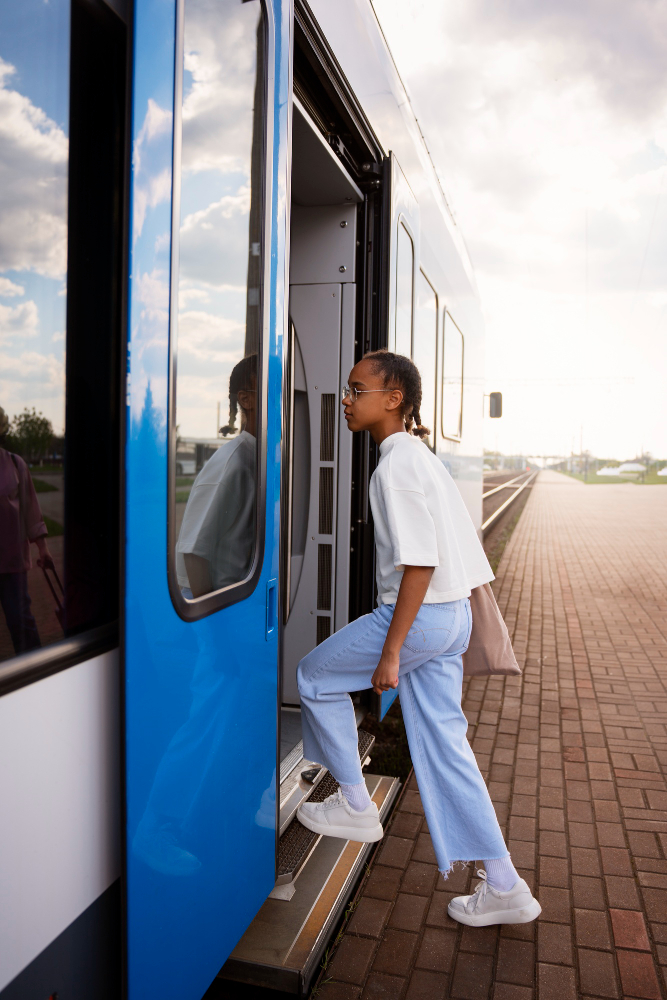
361 836
522 915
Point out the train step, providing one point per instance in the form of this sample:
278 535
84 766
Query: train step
296 842
283 947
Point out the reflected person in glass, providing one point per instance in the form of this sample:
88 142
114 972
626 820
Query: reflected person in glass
215 549
216 540
21 524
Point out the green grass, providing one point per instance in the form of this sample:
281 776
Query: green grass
185 480
53 527
649 479
46 468
42 487
182 496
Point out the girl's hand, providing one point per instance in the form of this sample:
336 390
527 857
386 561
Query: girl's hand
385 677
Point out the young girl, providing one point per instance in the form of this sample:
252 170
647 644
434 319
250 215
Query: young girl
429 558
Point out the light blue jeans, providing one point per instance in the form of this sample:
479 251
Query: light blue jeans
461 818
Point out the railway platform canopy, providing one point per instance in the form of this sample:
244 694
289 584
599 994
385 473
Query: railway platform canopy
575 754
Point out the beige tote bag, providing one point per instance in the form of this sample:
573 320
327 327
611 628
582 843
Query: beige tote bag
490 648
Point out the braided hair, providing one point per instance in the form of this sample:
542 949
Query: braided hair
243 378
400 372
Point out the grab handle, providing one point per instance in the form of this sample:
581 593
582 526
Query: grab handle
271 607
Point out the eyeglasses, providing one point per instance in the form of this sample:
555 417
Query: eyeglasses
353 393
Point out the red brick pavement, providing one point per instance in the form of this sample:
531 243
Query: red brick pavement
575 753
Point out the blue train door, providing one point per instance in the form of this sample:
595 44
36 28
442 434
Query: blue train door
206 308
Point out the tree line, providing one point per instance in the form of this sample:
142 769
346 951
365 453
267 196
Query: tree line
31 436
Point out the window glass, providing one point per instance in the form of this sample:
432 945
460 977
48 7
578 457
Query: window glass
34 98
405 255
217 328
426 336
452 379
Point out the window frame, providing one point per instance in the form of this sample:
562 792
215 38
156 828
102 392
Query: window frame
403 221
446 315
208 604
87 22
433 446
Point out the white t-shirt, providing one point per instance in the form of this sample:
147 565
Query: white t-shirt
219 519
421 520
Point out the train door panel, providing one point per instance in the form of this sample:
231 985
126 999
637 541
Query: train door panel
322 339
201 561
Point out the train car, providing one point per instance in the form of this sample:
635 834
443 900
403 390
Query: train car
209 211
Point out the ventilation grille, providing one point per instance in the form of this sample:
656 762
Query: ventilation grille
324 577
326 500
323 628
327 427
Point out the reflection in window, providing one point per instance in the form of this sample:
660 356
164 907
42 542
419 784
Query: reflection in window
452 379
34 95
405 255
218 335
426 335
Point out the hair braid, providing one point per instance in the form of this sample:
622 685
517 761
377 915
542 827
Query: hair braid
243 377
401 372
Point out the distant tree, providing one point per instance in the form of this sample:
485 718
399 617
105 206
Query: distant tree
30 435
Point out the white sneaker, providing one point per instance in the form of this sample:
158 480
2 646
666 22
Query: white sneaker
489 906
335 817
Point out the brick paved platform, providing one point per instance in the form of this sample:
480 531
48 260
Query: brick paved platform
575 752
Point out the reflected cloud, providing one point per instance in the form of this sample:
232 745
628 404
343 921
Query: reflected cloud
214 242
152 184
33 185
9 290
18 323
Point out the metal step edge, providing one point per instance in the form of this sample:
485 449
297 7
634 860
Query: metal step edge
309 970
291 760
298 793
294 831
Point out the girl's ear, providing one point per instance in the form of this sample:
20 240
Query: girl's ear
394 399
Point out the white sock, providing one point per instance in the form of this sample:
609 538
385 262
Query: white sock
356 795
501 873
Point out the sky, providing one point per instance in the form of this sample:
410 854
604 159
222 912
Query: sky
547 124
34 99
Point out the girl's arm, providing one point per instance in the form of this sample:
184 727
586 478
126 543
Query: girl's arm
411 594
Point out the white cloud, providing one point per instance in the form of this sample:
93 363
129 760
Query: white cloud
151 149
152 290
214 243
187 295
18 323
36 379
206 337
9 290
149 192
220 57
33 185
156 122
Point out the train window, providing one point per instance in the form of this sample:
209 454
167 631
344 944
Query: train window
452 379
59 278
405 262
216 340
425 349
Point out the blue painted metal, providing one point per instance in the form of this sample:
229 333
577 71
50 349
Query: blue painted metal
387 699
200 697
